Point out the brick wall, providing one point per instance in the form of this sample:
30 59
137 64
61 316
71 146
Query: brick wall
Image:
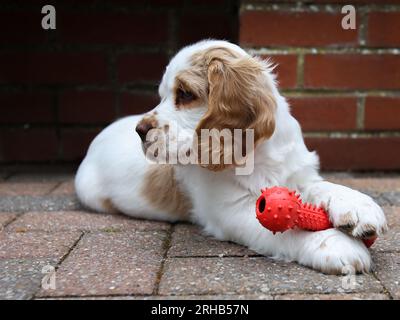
59 88
343 85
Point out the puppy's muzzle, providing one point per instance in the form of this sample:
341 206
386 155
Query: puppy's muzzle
143 128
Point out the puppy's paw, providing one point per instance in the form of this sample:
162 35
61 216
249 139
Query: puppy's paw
354 212
334 252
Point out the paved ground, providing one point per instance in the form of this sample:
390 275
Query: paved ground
47 239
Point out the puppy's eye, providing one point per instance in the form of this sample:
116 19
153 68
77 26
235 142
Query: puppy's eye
184 97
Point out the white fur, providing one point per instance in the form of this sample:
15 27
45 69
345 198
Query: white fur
224 203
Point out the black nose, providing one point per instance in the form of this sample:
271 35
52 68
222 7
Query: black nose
143 128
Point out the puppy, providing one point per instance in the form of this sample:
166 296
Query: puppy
215 85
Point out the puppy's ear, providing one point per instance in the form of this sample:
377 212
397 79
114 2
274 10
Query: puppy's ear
239 97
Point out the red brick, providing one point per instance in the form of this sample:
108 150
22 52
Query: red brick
87 107
135 103
325 113
52 68
25 107
358 153
199 26
114 28
286 69
382 113
22 27
279 28
75 142
28 145
383 29
141 67
352 71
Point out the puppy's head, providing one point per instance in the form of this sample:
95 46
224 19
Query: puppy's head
215 87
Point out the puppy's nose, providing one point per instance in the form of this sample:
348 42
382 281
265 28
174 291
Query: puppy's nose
143 128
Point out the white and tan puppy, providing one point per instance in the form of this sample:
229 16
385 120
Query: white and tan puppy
217 85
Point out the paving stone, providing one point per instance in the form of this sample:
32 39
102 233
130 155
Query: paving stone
383 199
64 188
388 271
192 297
390 241
192 276
5 218
80 220
22 278
377 184
123 263
26 188
349 296
188 240
392 197
43 203
20 245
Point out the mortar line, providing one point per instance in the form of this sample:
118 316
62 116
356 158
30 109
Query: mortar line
363 27
385 290
360 113
17 215
300 71
58 264
54 188
166 247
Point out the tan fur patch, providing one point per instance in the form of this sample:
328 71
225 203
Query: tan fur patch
237 92
108 206
150 119
162 190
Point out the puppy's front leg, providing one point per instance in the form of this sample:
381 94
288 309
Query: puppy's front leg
349 210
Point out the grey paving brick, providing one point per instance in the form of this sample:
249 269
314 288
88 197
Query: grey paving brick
43 203
392 197
390 241
342 296
22 278
123 263
151 297
388 271
81 220
193 276
188 240
383 199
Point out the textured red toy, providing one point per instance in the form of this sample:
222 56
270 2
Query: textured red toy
279 209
